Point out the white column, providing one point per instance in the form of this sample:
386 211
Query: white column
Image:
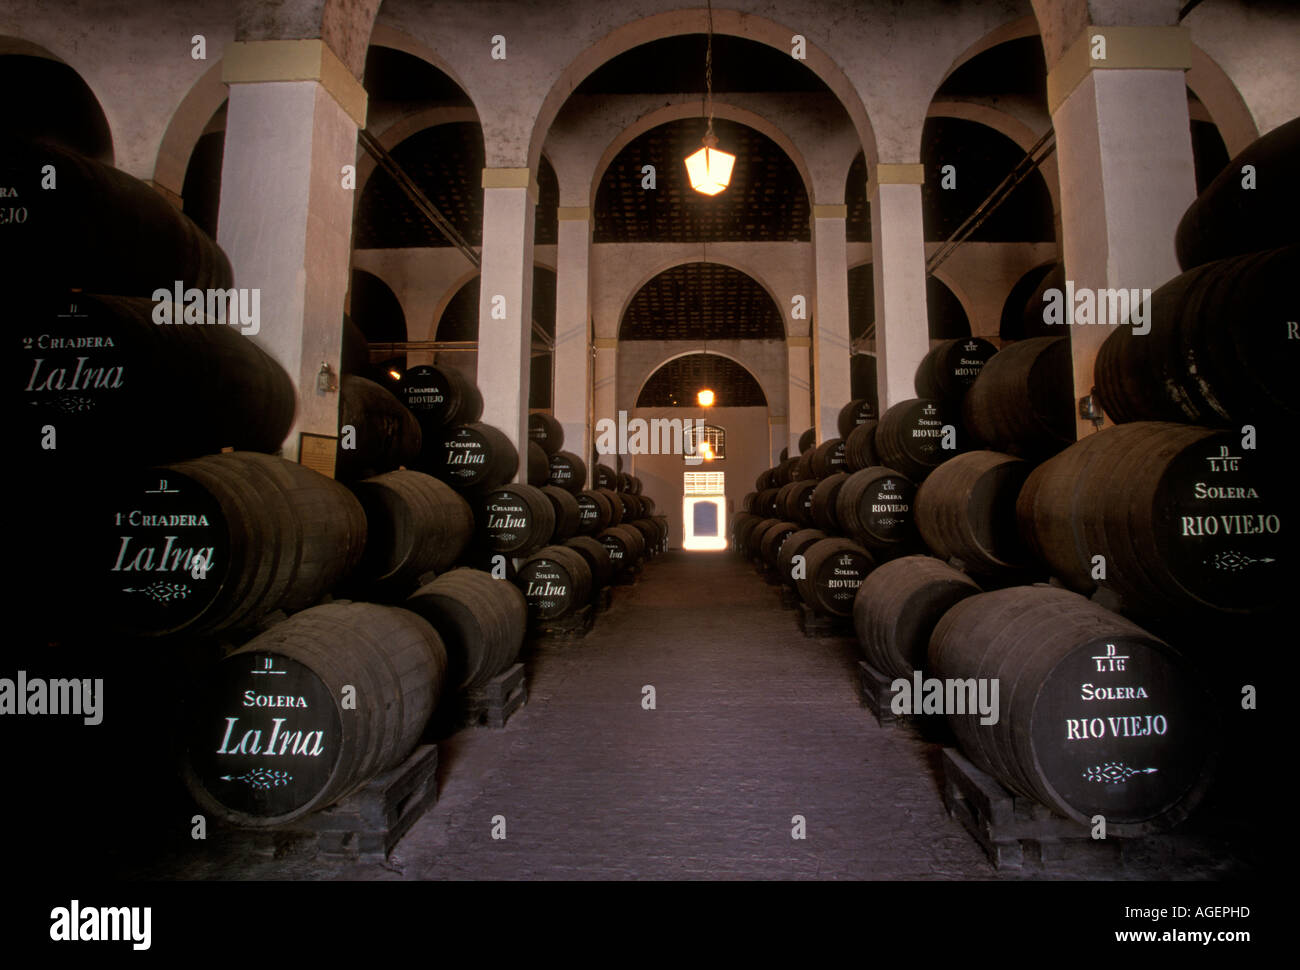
898 270
285 218
505 331
830 334
799 418
604 399
778 435
1126 171
573 364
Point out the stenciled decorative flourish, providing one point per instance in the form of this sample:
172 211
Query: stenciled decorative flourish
1233 561
161 592
72 403
1114 772
261 778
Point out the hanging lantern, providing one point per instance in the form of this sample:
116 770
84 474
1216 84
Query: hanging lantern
710 169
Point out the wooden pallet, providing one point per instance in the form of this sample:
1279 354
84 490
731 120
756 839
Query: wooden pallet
814 624
572 626
1013 830
875 693
365 825
601 600
627 577
494 702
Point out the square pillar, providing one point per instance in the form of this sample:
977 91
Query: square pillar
505 313
799 397
830 333
573 359
898 270
286 219
1126 172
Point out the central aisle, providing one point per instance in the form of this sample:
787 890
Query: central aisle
754 724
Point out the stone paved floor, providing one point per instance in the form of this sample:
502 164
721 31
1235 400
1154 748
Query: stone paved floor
754 724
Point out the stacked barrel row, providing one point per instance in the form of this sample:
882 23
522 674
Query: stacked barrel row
1176 514
154 430
614 530
819 522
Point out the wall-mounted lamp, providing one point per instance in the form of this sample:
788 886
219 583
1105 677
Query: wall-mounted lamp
326 380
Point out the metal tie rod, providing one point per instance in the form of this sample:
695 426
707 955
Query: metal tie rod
416 195
1022 170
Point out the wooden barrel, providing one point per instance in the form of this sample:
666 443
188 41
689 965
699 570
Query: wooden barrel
747 503
354 357
539 465
824 502
481 620
1023 400
218 542
802 469
910 437
650 533
384 433
597 556
876 506
1032 323
769 544
949 370
856 412
615 505
602 476
647 504
785 453
835 569
1219 351
515 519
624 482
807 440
555 581
860 448
661 521
1229 220
415 524
797 506
100 230
966 510
767 500
471 457
439 396
764 481
594 512
744 527
632 506
355 686
568 516
828 458
546 431
633 543
795 544
635 485
119 387
897 607
568 471
1185 518
1095 715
